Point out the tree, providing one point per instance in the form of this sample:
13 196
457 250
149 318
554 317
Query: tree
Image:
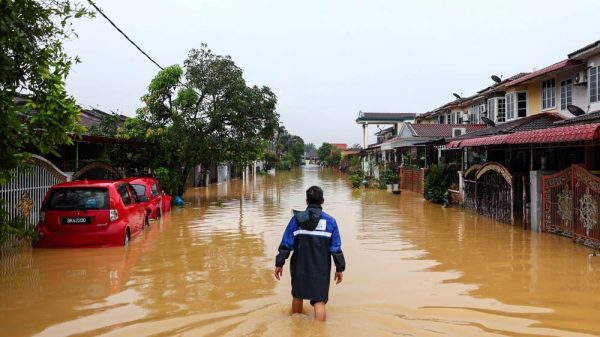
211 118
329 155
324 151
355 147
36 114
310 147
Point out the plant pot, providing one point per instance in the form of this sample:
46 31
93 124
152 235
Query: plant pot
395 187
389 187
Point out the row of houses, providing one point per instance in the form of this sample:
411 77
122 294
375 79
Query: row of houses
526 149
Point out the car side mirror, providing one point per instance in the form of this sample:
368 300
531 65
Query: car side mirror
142 198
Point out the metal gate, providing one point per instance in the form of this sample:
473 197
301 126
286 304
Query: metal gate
470 187
489 191
24 194
570 202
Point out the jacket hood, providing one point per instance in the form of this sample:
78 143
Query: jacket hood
309 218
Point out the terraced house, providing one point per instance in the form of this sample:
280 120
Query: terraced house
536 159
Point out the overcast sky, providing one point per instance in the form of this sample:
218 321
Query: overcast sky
326 60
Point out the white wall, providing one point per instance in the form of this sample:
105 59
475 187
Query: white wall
592 62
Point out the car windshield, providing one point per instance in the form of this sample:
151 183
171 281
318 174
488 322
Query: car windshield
78 198
140 190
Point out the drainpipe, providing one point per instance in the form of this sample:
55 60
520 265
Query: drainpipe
365 126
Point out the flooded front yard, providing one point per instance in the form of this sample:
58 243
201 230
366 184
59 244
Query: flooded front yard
413 269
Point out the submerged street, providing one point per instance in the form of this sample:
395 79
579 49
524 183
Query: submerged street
413 269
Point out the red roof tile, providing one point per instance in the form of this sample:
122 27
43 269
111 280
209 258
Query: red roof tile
544 71
557 135
563 134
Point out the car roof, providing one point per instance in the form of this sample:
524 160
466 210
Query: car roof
147 180
88 183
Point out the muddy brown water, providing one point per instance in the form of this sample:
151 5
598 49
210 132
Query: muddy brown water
414 269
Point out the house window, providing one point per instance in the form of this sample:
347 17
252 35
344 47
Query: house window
459 117
548 94
510 106
441 119
482 110
566 93
521 104
474 114
501 112
594 79
491 105
449 118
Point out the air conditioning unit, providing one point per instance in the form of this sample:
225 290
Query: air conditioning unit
458 131
580 78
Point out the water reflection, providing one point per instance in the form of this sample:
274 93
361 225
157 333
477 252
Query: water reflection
414 269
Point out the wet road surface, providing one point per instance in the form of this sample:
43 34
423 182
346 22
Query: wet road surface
413 269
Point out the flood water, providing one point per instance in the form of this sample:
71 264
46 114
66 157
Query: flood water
413 269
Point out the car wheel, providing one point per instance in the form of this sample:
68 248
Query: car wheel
146 221
126 241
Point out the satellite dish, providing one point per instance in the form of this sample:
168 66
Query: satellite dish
488 121
456 95
496 79
575 110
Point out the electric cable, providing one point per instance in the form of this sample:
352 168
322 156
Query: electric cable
122 33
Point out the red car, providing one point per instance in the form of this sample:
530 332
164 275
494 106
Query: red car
150 194
90 213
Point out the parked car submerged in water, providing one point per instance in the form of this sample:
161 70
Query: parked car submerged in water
90 213
151 195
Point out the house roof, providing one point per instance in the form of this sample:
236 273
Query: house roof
538 121
544 71
592 117
92 117
571 133
440 130
341 146
582 50
385 117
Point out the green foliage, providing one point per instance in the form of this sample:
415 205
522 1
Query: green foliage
388 176
286 143
17 227
213 117
324 151
436 184
36 114
271 158
329 155
32 61
356 180
168 181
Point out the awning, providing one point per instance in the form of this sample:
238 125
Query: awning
572 133
563 134
482 141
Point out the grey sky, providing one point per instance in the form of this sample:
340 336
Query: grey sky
326 60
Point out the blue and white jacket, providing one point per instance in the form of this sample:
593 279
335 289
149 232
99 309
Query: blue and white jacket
314 238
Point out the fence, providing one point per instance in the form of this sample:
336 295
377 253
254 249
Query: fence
412 179
488 190
24 194
570 201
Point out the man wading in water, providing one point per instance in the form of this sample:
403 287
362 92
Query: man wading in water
314 237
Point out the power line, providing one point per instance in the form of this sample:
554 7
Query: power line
122 33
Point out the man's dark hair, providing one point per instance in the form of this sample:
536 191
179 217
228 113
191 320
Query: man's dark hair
314 195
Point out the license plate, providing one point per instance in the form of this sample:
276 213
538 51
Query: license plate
76 221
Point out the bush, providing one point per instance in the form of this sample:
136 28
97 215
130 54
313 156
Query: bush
167 180
356 180
387 177
436 184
